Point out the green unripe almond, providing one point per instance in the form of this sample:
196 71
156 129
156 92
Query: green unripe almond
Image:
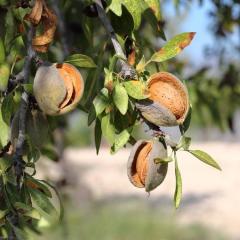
57 88
142 170
4 76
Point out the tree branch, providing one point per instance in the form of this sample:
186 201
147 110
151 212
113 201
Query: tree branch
126 70
17 158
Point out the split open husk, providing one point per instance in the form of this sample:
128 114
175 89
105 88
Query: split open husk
168 103
142 170
57 88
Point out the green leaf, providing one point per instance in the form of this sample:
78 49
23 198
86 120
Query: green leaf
2 51
120 98
154 5
108 129
136 89
100 102
7 108
80 60
4 76
173 47
27 210
98 134
20 13
36 184
206 158
154 17
120 140
141 65
44 204
178 189
116 7
4 130
163 160
58 196
10 28
135 8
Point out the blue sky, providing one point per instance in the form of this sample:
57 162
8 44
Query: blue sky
194 19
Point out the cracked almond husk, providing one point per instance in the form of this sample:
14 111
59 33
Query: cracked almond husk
142 170
58 88
168 103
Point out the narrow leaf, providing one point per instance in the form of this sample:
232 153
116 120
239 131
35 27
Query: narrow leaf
120 98
58 196
80 60
101 101
173 47
178 189
163 160
4 130
7 108
108 129
98 135
206 158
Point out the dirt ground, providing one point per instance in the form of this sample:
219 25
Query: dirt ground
210 196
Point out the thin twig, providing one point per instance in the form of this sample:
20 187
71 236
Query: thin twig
17 158
126 70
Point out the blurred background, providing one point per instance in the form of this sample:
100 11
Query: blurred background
100 202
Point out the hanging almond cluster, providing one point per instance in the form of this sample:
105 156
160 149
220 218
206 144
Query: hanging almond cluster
42 15
157 99
167 105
